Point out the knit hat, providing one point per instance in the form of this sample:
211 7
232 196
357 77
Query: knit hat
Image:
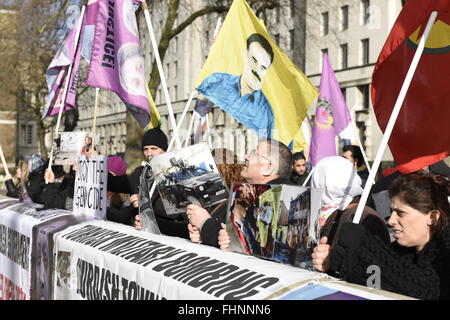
35 162
117 165
155 137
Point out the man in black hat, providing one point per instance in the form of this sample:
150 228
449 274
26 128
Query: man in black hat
154 142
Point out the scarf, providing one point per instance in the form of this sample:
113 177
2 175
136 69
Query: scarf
146 211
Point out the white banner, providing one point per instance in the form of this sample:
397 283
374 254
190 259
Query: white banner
90 187
109 261
16 229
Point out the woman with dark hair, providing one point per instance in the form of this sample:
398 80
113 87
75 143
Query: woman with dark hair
417 264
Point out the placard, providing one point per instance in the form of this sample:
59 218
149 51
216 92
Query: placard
90 186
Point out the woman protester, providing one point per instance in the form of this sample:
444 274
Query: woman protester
417 263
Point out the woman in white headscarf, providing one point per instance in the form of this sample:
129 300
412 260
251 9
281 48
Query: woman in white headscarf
341 187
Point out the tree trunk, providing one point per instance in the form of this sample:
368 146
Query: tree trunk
41 135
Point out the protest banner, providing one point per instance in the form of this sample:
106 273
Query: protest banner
276 222
16 226
108 261
90 186
186 176
42 259
102 260
248 76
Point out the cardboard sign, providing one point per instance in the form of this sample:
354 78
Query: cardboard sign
186 176
90 187
276 222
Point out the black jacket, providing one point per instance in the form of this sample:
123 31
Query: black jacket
55 195
423 275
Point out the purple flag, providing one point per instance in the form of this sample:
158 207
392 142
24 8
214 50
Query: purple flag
68 53
88 29
117 63
332 115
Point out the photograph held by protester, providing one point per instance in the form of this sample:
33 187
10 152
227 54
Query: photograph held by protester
269 163
417 263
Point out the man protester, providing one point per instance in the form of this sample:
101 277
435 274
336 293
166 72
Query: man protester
300 170
353 154
269 163
154 142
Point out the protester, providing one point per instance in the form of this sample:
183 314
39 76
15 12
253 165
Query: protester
230 169
59 191
341 187
299 171
417 263
31 180
118 208
269 163
354 154
154 142
13 184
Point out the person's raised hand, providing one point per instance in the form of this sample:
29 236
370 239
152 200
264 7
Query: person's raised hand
321 255
49 176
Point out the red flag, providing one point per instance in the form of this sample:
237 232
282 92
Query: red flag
421 134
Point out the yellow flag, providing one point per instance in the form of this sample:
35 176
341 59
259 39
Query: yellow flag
155 118
248 76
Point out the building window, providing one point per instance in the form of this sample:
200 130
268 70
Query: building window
292 7
365 51
322 52
344 56
175 93
277 14
175 46
365 96
27 134
175 69
344 18
207 37
365 14
325 23
291 39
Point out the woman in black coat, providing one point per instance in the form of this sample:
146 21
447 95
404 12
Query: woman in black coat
417 264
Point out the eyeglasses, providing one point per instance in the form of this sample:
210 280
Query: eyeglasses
253 152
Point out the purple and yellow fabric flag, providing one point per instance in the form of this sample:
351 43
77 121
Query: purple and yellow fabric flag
57 72
332 115
117 63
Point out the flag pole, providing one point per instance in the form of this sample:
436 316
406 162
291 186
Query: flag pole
66 86
190 128
186 108
393 118
94 121
308 177
161 73
5 165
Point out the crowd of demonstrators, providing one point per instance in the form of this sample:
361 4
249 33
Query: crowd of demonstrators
300 171
414 261
416 264
354 154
